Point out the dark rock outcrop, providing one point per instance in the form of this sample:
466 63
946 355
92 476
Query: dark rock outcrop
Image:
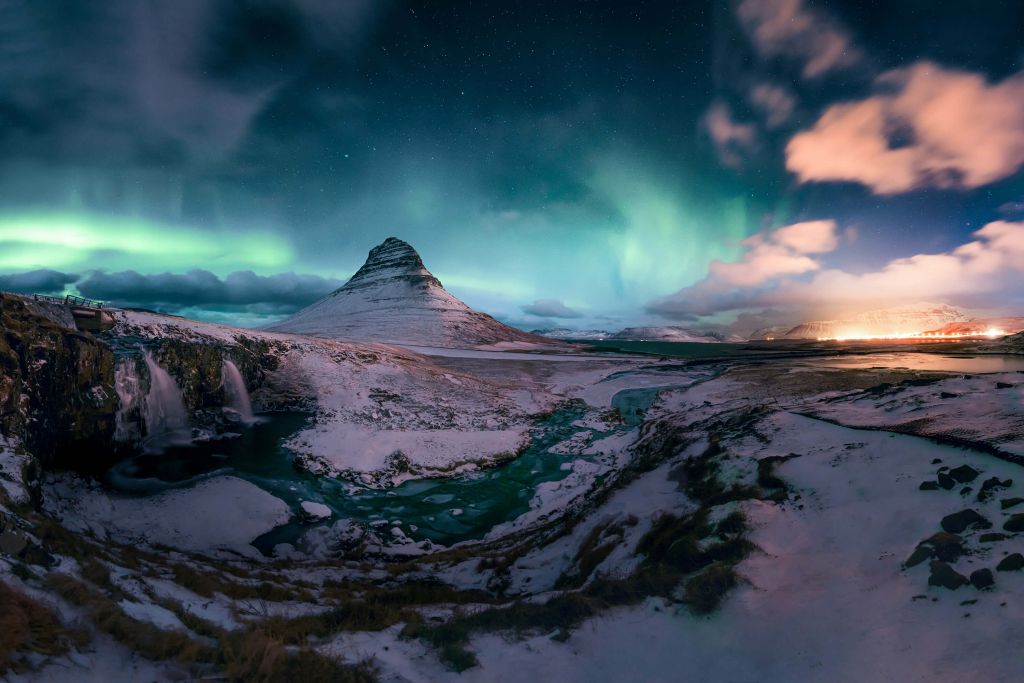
1015 523
982 579
57 394
1011 563
945 576
958 522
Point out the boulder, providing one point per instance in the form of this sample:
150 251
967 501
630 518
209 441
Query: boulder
992 537
1007 503
920 554
315 512
1011 563
958 522
982 579
945 576
945 481
1015 523
945 546
964 473
929 486
989 486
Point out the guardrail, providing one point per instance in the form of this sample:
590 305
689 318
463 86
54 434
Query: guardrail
69 300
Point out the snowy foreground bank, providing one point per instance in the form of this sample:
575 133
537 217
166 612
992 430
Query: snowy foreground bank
722 521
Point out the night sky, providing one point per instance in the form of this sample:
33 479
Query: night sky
582 164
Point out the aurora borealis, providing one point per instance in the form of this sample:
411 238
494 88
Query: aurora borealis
612 158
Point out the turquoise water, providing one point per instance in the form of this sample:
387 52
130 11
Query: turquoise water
445 511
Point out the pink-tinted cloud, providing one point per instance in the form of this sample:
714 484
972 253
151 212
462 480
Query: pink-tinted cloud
791 29
775 273
774 102
733 141
926 127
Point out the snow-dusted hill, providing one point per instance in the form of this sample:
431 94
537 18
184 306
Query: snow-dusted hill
394 298
982 327
907 320
672 334
656 333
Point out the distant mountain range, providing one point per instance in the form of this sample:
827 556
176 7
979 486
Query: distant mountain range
663 333
394 298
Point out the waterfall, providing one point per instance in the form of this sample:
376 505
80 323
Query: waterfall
129 393
236 393
164 411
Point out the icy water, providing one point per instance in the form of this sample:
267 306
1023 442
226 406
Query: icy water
928 361
671 349
445 511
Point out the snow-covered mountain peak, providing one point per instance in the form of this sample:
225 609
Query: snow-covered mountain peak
393 258
394 298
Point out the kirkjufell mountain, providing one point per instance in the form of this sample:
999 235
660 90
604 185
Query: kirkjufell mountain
394 298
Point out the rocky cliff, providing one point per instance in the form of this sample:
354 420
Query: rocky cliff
57 397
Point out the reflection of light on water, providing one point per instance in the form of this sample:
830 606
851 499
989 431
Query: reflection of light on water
926 362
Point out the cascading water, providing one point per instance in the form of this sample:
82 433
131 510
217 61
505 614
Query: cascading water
237 395
164 410
129 394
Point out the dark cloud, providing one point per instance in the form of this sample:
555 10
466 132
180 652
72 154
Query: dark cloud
242 290
42 281
550 308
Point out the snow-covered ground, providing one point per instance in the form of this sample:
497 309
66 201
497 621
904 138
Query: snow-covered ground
221 513
866 454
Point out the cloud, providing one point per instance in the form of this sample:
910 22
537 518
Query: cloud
927 126
242 290
42 281
775 102
733 141
550 308
988 267
791 29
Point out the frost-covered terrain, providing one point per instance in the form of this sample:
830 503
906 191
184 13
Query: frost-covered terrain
507 515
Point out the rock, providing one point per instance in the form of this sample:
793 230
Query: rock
929 486
945 481
992 537
1007 503
35 554
920 554
315 512
964 473
960 521
936 461
945 546
1003 385
1011 563
945 576
989 486
966 491
948 394
1015 523
11 543
982 579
